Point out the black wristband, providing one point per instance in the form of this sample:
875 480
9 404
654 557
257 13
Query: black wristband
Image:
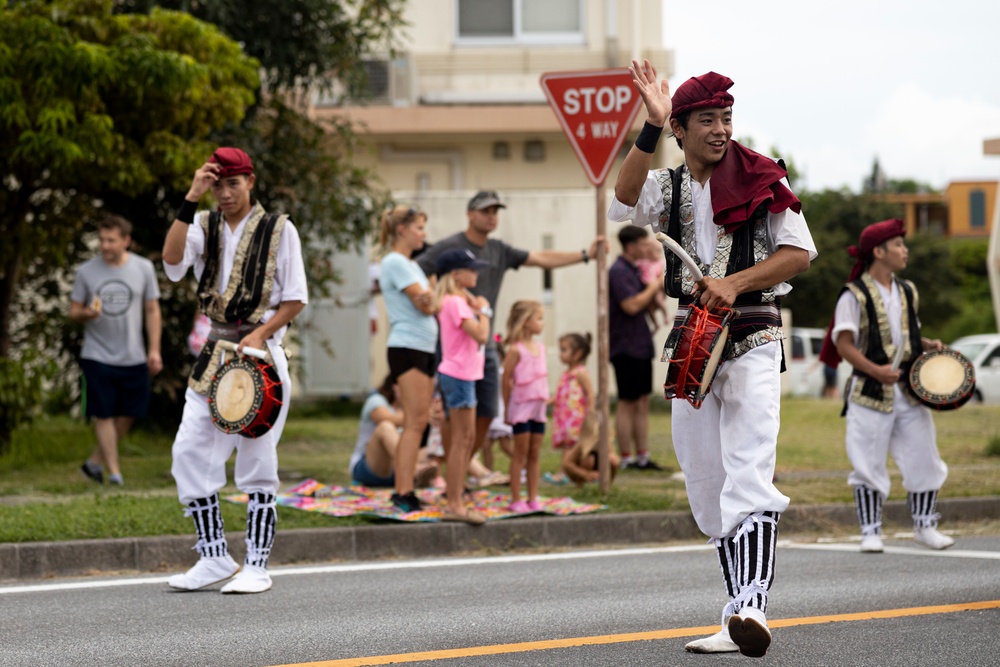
586 257
187 210
648 137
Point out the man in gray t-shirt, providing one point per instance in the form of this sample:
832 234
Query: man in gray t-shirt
113 294
483 212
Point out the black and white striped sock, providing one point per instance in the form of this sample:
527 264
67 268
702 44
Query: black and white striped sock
725 548
208 525
923 508
262 519
755 543
869 505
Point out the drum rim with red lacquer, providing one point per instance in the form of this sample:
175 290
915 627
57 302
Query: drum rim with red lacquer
952 399
264 407
700 386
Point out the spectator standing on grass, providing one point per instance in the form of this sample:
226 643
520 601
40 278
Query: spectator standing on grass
631 348
411 304
464 320
525 396
483 213
113 295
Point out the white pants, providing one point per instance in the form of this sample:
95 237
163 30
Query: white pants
907 433
201 450
727 448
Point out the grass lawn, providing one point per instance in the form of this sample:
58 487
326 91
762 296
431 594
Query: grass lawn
43 495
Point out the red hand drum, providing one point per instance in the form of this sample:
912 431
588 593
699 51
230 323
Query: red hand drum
694 350
245 397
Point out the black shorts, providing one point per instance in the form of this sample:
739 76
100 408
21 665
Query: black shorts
634 377
115 391
403 359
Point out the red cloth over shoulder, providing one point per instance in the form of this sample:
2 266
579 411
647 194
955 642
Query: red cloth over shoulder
743 180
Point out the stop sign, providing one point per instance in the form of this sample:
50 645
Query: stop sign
596 109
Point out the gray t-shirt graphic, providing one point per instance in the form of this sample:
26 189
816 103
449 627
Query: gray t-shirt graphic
116 337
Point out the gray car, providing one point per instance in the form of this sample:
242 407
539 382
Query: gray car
983 350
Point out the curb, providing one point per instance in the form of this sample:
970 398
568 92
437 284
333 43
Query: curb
38 560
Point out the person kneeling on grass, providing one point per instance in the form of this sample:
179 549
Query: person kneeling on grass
580 463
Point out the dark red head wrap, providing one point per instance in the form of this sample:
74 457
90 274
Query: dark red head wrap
873 235
708 91
233 161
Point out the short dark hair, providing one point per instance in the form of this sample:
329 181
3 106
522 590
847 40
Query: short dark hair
630 234
112 221
682 120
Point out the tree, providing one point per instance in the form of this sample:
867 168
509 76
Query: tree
94 104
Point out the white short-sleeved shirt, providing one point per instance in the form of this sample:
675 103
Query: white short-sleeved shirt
847 316
786 228
290 273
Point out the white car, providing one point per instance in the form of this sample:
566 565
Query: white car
805 370
983 350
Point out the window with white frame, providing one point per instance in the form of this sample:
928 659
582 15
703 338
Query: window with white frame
519 21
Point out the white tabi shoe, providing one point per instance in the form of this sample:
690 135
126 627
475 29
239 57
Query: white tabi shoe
871 544
251 579
749 632
717 643
207 571
932 538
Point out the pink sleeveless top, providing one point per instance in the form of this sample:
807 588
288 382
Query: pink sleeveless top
530 390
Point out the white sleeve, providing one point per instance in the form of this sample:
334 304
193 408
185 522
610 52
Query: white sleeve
647 209
847 316
790 228
194 250
291 271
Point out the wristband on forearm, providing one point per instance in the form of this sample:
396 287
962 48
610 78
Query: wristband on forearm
186 212
648 137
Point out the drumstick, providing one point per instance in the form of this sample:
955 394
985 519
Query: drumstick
249 351
675 247
897 359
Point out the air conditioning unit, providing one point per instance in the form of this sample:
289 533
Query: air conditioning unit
391 81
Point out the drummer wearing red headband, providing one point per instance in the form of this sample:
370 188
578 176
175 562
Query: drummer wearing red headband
876 314
251 285
732 211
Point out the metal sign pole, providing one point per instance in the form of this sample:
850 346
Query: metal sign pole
603 347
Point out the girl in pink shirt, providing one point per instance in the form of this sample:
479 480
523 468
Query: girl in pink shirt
525 388
464 321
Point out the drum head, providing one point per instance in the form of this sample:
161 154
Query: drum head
943 380
236 395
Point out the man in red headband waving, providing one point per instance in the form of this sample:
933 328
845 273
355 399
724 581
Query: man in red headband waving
731 210
876 315
251 285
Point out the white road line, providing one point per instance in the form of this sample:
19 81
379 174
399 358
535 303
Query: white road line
369 567
903 551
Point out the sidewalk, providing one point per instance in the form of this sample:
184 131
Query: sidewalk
37 560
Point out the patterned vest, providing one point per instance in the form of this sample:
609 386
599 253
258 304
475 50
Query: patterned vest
759 321
238 310
875 340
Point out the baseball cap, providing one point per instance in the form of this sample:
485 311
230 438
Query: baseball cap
458 258
485 199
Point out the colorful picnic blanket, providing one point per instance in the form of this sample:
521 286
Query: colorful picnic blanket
313 496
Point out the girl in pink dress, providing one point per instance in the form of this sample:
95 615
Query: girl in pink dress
574 394
525 388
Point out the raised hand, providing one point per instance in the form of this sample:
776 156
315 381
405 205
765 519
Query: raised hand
656 96
204 179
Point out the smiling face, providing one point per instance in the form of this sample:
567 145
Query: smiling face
705 138
413 233
233 195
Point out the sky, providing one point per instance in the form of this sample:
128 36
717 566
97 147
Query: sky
835 85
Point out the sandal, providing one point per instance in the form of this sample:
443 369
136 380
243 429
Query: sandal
471 517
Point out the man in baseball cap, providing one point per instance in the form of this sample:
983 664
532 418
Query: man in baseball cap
485 199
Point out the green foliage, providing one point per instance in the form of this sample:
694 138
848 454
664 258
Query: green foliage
21 383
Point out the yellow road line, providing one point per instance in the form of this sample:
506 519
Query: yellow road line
638 636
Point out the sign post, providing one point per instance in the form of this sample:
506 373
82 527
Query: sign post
595 109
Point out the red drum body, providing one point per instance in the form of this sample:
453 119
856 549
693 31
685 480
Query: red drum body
694 350
942 380
245 397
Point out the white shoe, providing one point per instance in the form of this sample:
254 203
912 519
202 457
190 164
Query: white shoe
749 632
932 538
717 643
206 571
871 544
251 579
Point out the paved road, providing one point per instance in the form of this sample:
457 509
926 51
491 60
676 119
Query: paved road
633 606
